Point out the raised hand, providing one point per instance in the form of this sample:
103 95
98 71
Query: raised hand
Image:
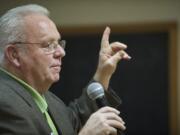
110 54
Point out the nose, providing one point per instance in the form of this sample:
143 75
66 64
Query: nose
59 52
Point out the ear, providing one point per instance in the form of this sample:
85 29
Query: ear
12 55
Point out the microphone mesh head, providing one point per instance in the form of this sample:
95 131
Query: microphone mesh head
95 90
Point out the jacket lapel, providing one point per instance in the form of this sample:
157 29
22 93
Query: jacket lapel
60 116
25 95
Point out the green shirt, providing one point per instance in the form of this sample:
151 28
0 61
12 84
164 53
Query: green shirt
39 99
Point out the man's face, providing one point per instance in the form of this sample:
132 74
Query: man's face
36 63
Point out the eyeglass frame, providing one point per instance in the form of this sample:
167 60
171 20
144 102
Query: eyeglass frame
50 48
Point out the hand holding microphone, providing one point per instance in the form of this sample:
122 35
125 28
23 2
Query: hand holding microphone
103 122
106 120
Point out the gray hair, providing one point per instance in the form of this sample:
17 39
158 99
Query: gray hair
12 24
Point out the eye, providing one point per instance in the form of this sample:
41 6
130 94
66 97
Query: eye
45 45
51 46
48 46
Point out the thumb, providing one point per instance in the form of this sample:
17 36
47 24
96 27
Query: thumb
120 55
117 57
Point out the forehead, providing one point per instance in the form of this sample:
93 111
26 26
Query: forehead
40 27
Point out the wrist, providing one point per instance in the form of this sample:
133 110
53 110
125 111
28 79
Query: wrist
103 79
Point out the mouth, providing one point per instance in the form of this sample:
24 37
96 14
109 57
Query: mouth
56 68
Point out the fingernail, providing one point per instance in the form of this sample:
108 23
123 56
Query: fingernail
129 57
108 28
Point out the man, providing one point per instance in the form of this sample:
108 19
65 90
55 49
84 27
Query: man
31 51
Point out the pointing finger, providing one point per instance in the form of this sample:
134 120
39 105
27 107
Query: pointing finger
105 37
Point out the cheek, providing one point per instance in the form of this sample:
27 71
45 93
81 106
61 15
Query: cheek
35 62
43 62
40 61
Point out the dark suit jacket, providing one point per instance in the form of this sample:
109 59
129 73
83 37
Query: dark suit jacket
19 114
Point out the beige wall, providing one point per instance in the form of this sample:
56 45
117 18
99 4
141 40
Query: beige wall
93 12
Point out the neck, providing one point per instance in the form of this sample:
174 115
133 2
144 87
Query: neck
40 86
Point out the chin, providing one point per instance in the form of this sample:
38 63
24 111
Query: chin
53 77
56 78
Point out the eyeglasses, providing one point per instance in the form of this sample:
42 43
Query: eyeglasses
50 47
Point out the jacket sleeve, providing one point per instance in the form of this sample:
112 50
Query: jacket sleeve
83 107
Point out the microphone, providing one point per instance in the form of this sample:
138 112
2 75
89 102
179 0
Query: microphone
95 92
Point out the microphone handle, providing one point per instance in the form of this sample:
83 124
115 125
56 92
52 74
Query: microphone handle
102 102
119 132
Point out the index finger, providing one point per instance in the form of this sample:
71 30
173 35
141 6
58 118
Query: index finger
105 37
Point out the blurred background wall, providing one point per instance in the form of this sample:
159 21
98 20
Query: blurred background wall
76 13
